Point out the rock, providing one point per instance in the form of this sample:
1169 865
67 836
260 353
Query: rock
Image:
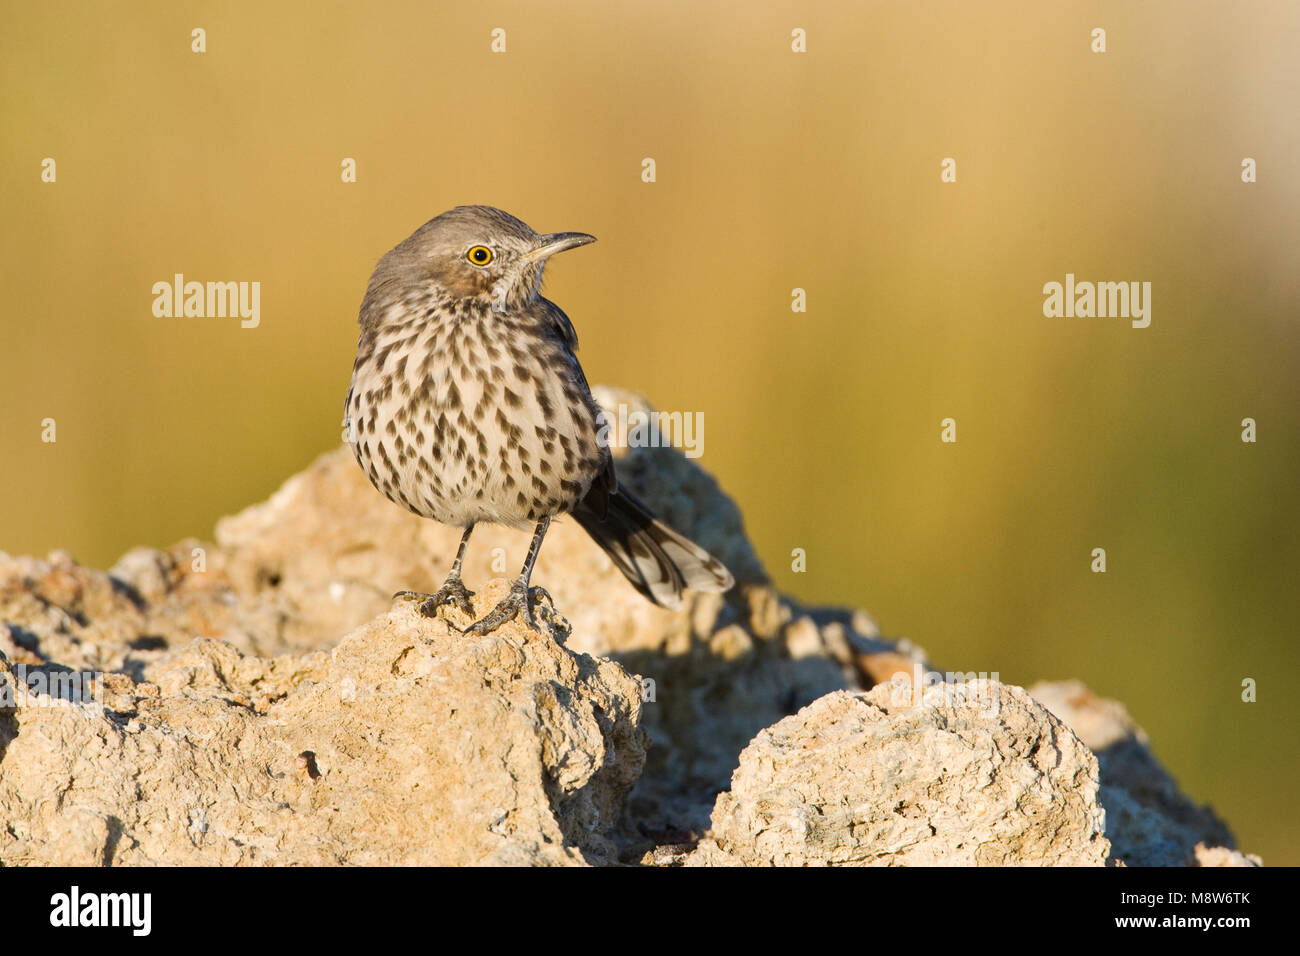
265 701
1203 855
406 744
325 553
973 774
1149 822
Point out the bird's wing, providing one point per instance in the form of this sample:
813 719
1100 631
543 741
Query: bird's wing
558 324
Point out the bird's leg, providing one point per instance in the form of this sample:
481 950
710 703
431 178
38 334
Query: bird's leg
520 600
453 590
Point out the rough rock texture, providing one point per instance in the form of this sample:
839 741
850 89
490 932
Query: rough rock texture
381 751
970 774
266 701
1149 822
325 553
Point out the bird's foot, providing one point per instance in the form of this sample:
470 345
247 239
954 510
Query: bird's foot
518 603
453 591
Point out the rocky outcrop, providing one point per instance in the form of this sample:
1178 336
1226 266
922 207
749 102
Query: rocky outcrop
262 699
971 774
1149 822
404 744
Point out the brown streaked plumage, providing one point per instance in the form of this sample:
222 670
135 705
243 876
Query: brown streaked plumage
468 404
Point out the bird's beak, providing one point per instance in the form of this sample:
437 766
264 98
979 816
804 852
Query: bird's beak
558 242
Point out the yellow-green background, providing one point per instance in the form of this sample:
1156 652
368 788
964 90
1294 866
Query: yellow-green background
775 170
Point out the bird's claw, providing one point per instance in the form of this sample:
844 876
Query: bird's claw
518 603
453 591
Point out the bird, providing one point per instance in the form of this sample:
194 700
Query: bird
468 405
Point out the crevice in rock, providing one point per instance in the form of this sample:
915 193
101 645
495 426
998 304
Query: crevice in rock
8 730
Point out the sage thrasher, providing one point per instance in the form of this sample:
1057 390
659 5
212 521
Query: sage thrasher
468 404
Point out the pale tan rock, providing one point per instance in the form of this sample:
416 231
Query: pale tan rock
1148 820
1222 856
971 774
405 744
270 699
325 553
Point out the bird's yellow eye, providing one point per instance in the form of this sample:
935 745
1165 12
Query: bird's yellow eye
479 255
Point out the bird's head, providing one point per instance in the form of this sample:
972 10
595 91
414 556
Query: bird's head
482 256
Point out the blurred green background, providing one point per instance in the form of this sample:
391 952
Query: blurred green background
775 170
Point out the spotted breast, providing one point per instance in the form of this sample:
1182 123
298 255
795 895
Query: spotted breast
464 414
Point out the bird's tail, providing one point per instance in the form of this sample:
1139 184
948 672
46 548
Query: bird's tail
658 561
